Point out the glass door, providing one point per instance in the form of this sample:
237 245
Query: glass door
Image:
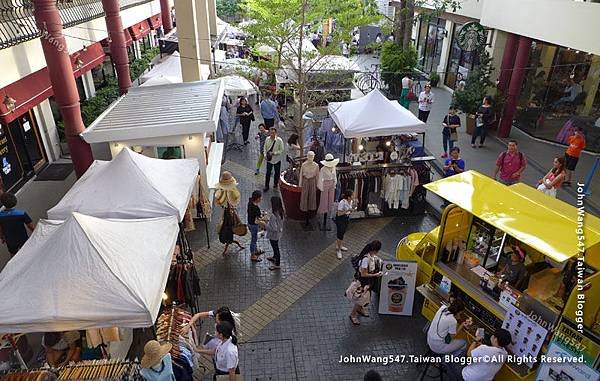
28 145
11 171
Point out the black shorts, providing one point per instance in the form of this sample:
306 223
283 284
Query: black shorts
341 223
571 162
269 123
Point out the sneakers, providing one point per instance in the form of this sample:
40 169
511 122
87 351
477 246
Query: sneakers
473 146
265 189
444 155
339 254
363 312
343 248
256 172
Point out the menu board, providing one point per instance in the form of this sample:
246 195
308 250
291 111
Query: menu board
397 292
567 371
527 335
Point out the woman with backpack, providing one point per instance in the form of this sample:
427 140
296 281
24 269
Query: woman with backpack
274 229
367 273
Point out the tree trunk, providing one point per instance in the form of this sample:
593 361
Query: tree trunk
398 28
302 86
409 15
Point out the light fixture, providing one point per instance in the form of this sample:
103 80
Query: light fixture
190 137
116 145
10 103
361 147
165 296
388 143
577 52
109 40
78 63
84 48
141 28
332 129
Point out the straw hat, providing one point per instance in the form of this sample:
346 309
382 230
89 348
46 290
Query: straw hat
227 181
154 352
330 161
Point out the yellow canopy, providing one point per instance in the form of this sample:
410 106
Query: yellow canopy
540 221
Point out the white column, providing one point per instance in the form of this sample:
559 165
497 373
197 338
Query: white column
137 48
47 128
212 16
203 30
446 49
88 84
189 48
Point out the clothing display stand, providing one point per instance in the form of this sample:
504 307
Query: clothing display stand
105 370
326 183
324 227
10 340
29 375
309 171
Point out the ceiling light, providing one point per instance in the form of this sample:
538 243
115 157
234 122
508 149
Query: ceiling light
10 103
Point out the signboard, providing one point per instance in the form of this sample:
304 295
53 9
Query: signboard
566 371
576 343
397 292
471 37
527 335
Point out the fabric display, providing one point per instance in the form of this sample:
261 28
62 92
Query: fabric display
101 370
365 184
332 141
326 183
308 181
373 210
183 284
169 330
102 336
398 187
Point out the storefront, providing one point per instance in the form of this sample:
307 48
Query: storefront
478 236
21 151
460 62
560 92
430 40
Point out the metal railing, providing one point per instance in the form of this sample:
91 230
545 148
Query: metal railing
17 23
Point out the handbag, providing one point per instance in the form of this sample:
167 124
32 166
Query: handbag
411 96
239 228
454 136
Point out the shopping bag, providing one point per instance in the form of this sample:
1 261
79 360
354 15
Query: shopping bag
454 136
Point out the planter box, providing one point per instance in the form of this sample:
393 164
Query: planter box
290 194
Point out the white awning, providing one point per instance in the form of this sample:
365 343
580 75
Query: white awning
158 111
87 273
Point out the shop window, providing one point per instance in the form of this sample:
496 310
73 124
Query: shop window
80 88
102 73
460 63
560 92
429 43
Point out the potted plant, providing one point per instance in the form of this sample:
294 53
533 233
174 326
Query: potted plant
434 79
477 84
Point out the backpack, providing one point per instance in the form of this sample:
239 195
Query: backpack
355 261
504 155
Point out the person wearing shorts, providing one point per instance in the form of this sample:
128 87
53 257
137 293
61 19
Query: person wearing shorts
342 219
573 152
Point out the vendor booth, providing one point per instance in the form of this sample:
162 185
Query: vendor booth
487 232
381 158
169 67
174 121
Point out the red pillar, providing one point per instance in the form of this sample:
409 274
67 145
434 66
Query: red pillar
508 62
60 70
165 13
514 88
118 47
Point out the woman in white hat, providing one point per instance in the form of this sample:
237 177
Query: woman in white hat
156 363
228 196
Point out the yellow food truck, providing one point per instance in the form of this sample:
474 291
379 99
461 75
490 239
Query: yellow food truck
553 304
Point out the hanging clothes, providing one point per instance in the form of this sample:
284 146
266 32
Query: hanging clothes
326 183
398 187
308 181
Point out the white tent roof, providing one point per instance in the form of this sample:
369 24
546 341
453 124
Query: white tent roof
88 273
131 186
170 67
236 86
373 115
158 111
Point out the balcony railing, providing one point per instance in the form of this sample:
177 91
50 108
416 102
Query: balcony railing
17 23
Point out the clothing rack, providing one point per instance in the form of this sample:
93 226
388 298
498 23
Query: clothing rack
169 329
101 370
351 168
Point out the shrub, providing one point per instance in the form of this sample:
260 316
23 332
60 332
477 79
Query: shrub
476 86
395 64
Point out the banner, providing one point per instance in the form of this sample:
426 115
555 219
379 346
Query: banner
566 371
397 292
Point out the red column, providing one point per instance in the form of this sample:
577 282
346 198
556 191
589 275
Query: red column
60 70
165 13
118 47
514 88
508 62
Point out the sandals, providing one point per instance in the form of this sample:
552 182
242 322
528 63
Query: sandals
255 259
274 267
354 320
271 259
363 312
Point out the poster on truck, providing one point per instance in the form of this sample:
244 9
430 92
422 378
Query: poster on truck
397 292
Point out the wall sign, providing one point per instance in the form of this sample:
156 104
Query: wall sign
397 287
471 37
527 335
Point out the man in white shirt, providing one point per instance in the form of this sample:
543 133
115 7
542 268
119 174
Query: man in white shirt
572 90
425 101
273 149
487 359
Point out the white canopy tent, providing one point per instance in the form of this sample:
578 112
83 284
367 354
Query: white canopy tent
87 273
131 186
170 67
373 115
236 85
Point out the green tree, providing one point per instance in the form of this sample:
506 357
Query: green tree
477 85
396 62
281 27
228 8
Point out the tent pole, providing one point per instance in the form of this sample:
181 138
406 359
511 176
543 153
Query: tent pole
345 143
